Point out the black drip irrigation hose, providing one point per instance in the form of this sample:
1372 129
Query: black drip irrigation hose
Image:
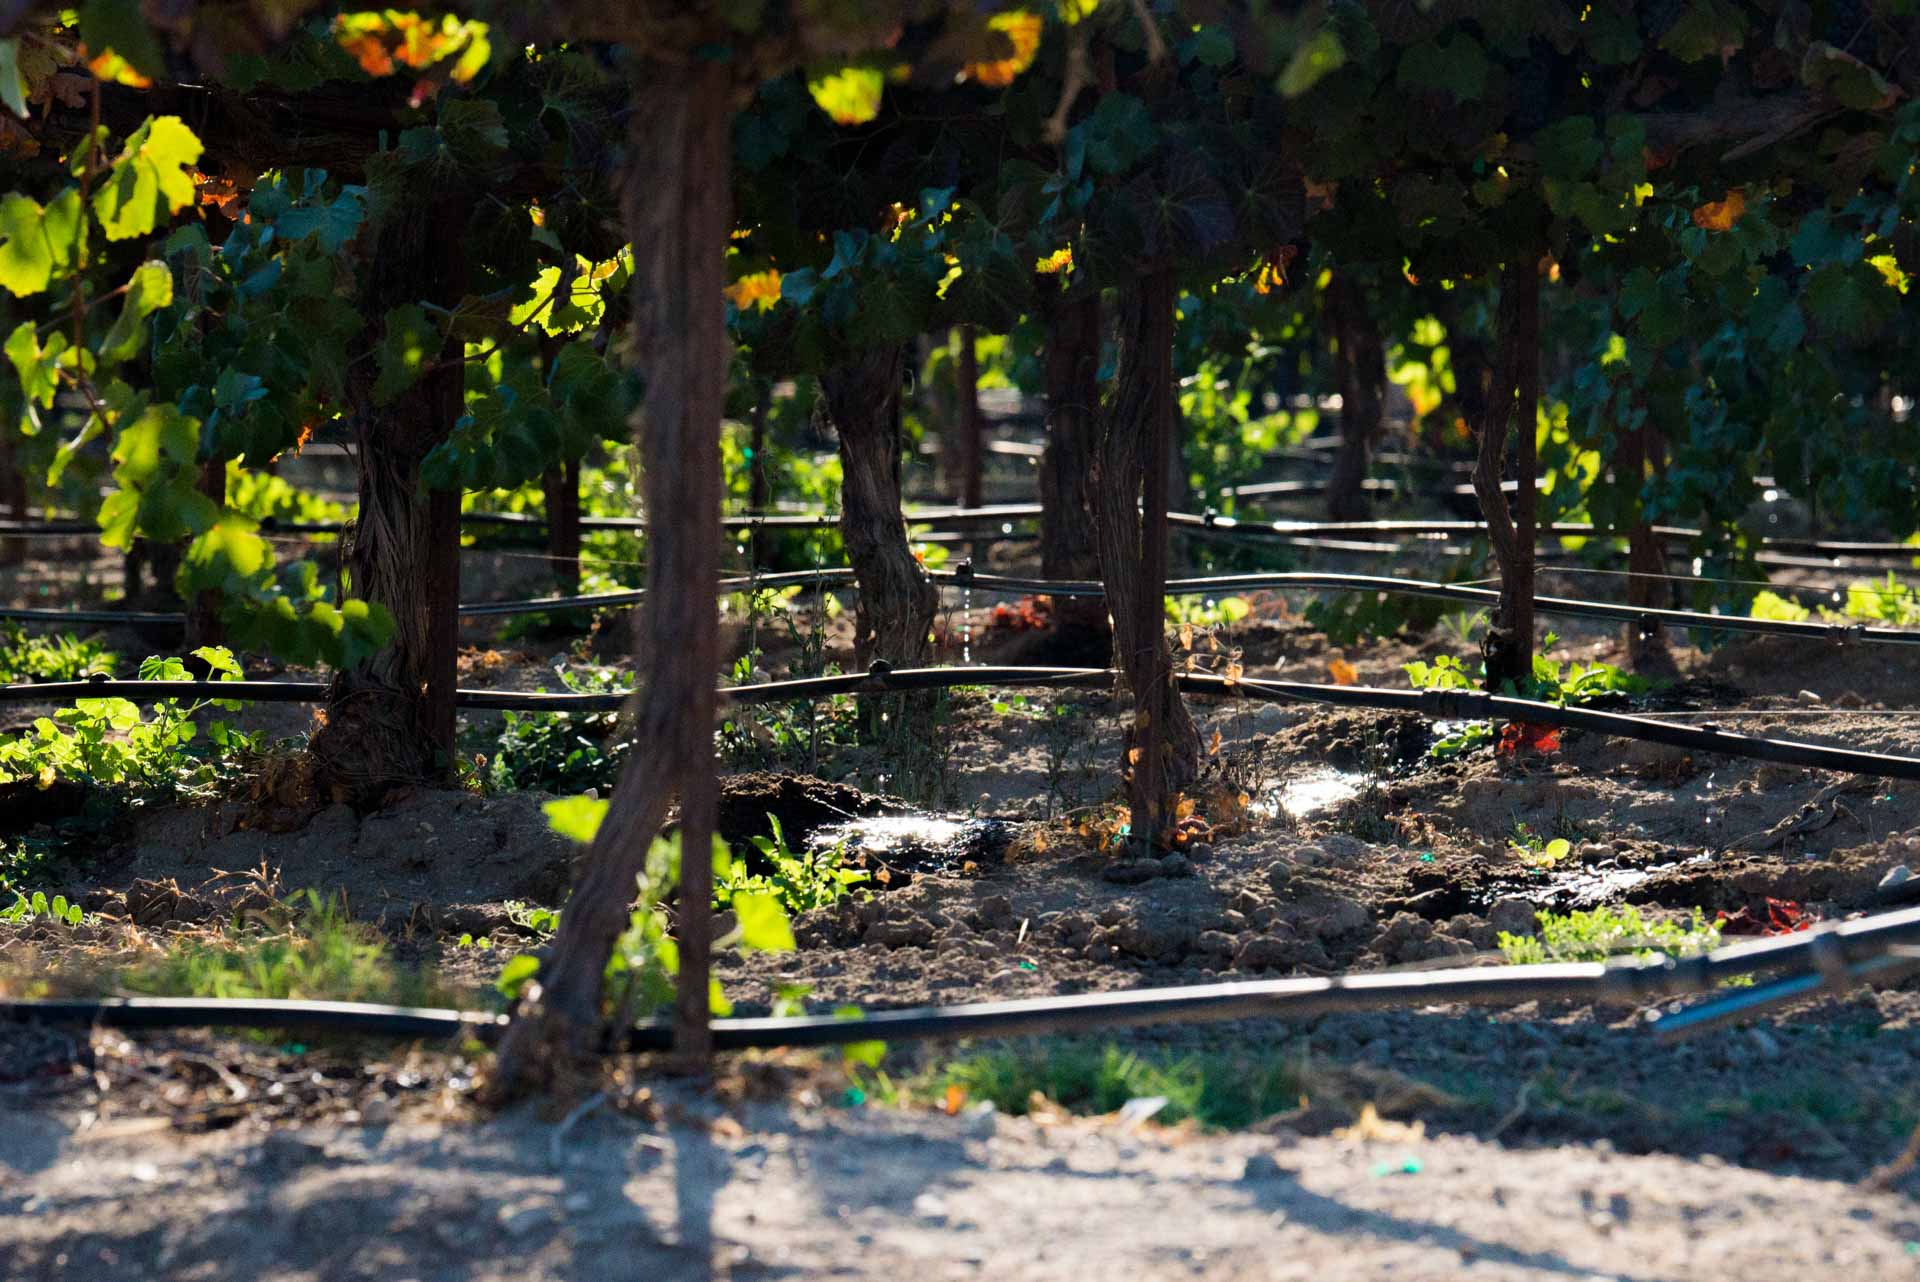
1837 955
838 577
1446 705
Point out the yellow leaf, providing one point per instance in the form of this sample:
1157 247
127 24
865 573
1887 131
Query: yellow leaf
1133 756
114 69
1022 30
849 95
1058 261
1184 808
1186 636
757 290
1721 215
1213 748
1343 673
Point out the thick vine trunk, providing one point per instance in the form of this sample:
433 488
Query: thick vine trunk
966 414
1513 401
675 198
1162 747
895 611
1360 363
561 487
1067 551
389 719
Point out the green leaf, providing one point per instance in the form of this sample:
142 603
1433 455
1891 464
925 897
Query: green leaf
149 289
148 182
13 84
515 974
120 26
576 817
1458 67
409 342
1708 29
763 922
1317 58
35 366
35 241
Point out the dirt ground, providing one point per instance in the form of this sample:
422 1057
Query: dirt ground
807 1192
1559 1141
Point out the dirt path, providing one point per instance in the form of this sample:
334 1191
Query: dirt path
824 1192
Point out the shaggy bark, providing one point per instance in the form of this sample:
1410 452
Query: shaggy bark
1514 398
1131 543
1361 366
382 727
895 611
675 199
1066 471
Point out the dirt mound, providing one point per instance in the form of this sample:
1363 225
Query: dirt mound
430 848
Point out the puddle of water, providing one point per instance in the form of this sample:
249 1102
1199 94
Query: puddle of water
1585 888
917 842
885 834
1310 793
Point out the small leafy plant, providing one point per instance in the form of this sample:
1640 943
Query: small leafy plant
63 658
640 973
25 910
1605 933
109 741
560 752
800 880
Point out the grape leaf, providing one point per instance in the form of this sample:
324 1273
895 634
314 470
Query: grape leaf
148 182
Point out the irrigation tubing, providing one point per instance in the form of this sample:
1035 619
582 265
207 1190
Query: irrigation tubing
1213 584
1009 512
1833 953
1454 705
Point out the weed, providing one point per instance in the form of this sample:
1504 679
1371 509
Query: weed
560 752
307 946
800 881
1568 685
109 740
62 658
1605 933
1213 1089
26 910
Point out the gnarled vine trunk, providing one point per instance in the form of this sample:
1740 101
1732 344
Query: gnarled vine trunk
675 198
894 615
389 719
1129 507
1513 401
1080 630
1361 366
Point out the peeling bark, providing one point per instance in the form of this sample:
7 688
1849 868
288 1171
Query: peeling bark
894 615
675 198
382 729
1131 544
1515 395
1067 548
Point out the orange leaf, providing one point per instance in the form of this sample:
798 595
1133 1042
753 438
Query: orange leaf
955 1100
1343 673
1721 215
1022 30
